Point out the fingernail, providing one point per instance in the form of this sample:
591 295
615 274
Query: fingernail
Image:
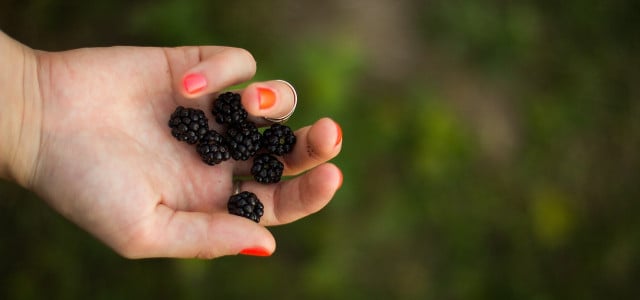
256 251
194 83
267 97
339 138
341 180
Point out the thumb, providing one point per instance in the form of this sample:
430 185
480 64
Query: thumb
200 70
184 234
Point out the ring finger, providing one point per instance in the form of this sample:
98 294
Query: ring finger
315 145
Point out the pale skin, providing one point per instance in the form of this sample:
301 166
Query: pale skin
87 131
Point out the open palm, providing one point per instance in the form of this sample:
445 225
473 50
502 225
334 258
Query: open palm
107 160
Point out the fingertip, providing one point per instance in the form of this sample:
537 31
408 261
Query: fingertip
320 185
330 175
338 134
315 144
325 136
193 84
247 238
259 99
214 68
274 99
333 128
207 236
257 251
260 250
336 170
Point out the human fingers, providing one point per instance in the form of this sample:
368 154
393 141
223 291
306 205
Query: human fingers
275 99
315 144
183 234
299 197
200 70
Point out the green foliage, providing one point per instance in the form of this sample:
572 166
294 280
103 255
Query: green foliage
501 162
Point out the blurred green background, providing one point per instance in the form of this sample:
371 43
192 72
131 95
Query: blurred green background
490 150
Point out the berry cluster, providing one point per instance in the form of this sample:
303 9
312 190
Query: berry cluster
246 204
188 124
241 140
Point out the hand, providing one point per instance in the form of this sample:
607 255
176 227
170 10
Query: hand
107 161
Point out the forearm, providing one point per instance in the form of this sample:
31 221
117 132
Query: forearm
19 104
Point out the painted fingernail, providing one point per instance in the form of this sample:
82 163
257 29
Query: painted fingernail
194 83
256 251
339 138
267 97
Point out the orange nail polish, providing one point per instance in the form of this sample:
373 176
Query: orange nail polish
194 83
256 251
339 138
267 97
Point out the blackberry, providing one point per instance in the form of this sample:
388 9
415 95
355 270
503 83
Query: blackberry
266 168
188 124
246 204
243 140
213 148
227 109
278 139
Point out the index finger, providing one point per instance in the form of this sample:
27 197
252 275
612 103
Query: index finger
200 70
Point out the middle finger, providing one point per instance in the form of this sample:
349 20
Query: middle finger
315 145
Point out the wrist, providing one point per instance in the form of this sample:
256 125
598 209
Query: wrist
20 104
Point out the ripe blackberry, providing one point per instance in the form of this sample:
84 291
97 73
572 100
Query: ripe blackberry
278 139
266 168
243 140
227 109
213 148
188 124
246 204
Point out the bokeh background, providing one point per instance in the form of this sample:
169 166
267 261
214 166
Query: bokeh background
490 150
